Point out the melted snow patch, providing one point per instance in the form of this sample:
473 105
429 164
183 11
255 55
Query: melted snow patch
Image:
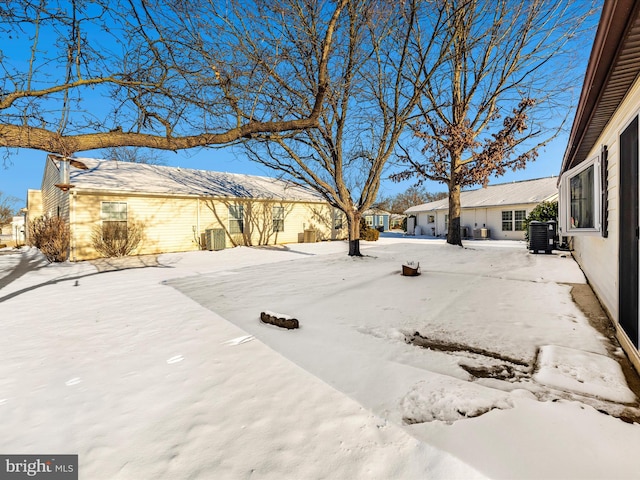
448 399
582 372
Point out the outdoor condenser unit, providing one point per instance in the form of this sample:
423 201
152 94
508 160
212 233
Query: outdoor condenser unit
481 233
542 236
215 239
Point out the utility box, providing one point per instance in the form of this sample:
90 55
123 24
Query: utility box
542 237
481 234
309 236
215 239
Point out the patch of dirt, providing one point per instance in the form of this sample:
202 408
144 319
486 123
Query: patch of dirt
583 296
504 372
439 345
484 364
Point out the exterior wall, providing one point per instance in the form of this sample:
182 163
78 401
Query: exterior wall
175 224
34 209
428 227
494 222
472 218
377 220
598 256
55 202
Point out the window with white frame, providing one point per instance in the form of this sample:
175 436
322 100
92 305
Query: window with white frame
580 199
114 219
513 220
519 217
369 220
431 219
236 219
278 219
381 221
446 221
338 220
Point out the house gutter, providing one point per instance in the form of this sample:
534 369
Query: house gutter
615 21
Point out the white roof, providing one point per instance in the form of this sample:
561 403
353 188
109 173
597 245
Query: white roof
129 177
515 193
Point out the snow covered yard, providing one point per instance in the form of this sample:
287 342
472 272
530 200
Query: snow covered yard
167 372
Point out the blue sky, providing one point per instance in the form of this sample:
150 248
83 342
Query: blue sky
24 169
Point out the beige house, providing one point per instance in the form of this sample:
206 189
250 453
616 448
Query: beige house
599 186
178 209
496 211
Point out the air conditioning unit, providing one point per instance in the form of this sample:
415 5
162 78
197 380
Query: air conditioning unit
542 237
215 239
481 233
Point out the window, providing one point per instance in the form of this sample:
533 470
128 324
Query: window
582 205
446 222
519 217
381 221
513 220
236 219
431 219
114 219
507 221
338 220
278 219
369 220
580 199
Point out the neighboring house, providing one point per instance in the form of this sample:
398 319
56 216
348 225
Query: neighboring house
599 190
377 218
396 221
13 233
496 211
178 208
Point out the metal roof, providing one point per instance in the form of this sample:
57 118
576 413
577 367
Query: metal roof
614 65
515 193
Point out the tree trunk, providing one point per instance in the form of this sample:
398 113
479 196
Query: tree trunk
453 235
353 221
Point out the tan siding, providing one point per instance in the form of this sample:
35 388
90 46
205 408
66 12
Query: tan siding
34 209
174 224
168 223
54 201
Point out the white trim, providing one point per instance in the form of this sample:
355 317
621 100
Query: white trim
564 200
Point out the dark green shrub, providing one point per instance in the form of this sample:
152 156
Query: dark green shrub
543 212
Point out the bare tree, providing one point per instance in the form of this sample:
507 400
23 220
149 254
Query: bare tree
7 208
502 94
82 75
411 197
382 55
134 155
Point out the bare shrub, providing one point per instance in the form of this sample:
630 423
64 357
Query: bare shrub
117 239
51 236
